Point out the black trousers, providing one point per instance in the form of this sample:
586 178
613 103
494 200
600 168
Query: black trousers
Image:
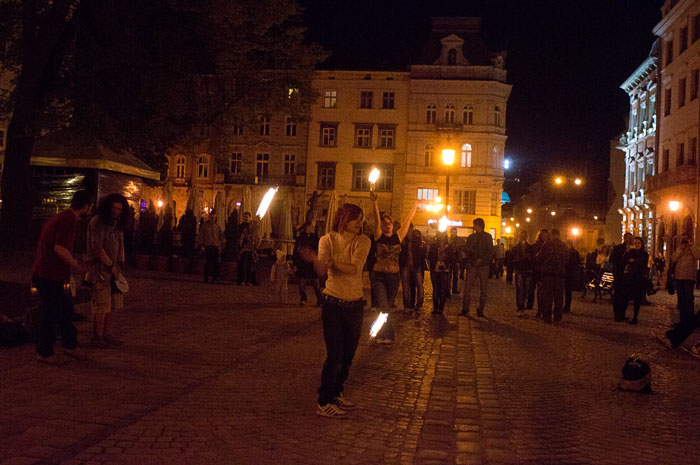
454 271
341 332
246 272
686 299
211 263
522 288
56 314
441 288
568 288
313 282
552 290
619 300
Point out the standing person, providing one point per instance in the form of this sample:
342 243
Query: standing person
211 239
279 276
509 266
500 258
659 265
521 260
438 257
53 264
416 267
404 259
572 261
542 237
634 275
250 240
341 255
385 275
307 239
480 252
456 246
618 265
105 244
551 261
685 261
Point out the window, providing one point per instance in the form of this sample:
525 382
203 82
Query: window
665 161
466 160
680 159
681 92
427 195
693 155
694 84
388 100
329 135
366 99
330 98
289 160
2 138
497 116
669 52
429 155
360 173
449 113
430 114
180 167
237 129
468 116
452 57
236 161
203 167
363 135
387 137
262 166
326 175
290 127
684 40
264 125
466 202
667 101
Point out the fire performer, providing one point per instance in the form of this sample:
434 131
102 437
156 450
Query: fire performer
341 254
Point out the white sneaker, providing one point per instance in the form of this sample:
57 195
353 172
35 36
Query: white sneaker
344 403
330 411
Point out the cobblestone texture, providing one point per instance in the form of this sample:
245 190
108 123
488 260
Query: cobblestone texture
223 375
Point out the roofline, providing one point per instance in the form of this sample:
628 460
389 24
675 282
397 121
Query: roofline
640 73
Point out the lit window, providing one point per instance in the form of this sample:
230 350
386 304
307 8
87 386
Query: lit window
236 161
466 202
264 125
427 195
366 99
429 155
363 135
180 167
289 160
262 166
466 160
361 172
431 114
290 127
203 167
468 116
388 100
387 137
330 98
449 113
326 175
329 135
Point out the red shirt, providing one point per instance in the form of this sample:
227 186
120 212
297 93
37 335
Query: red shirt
59 230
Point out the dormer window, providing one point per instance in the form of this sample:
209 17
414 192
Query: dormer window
452 57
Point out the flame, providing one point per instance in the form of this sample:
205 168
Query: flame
373 176
443 223
265 202
378 323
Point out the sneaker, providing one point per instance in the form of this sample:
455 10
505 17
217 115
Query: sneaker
99 342
113 341
76 354
54 360
330 411
343 403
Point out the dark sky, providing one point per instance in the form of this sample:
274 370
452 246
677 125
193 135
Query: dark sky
566 61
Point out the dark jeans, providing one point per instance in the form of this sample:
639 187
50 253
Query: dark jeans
568 289
522 287
619 300
211 263
683 330
56 313
454 271
686 299
509 275
412 287
552 290
313 282
531 286
441 288
341 332
246 271
633 288
385 287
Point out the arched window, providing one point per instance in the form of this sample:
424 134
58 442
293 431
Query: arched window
429 154
468 116
497 116
203 167
449 113
466 161
180 167
452 57
431 114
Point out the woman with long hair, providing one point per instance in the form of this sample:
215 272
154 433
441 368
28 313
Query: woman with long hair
439 259
341 255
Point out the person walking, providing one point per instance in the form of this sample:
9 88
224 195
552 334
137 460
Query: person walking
551 261
573 260
480 252
634 275
341 255
385 275
521 260
500 258
53 264
211 239
439 257
105 245
619 300
542 237
307 239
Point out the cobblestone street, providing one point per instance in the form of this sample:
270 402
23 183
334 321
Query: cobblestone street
223 375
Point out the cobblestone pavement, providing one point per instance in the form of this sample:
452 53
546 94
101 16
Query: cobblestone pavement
223 375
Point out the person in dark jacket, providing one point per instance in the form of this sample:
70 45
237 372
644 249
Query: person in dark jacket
418 253
542 237
439 257
572 261
521 261
634 275
456 246
616 259
307 239
480 252
551 262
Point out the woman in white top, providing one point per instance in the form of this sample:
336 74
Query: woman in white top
341 254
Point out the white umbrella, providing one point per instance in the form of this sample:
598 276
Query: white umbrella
265 227
332 207
247 203
193 202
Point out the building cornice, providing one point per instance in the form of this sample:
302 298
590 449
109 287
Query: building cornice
672 16
644 70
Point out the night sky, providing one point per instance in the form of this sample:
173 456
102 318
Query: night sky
566 61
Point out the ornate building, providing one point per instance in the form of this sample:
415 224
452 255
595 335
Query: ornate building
639 145
674 186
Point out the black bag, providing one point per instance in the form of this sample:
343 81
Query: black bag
12 334
636 375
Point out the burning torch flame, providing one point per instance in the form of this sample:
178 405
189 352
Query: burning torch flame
265 202
373 176
377 325
443 223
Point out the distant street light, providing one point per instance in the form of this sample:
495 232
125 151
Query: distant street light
160 204
529 211
674 205
575 231
558 180
577 181
512 219
506 163
508 229
595 217
554 213
527 219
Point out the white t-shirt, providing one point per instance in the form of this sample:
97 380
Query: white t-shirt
343 248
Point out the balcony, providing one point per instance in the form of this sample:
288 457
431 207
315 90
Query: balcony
279 180
681 175
445 126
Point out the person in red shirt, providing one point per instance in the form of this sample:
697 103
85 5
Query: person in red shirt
53 264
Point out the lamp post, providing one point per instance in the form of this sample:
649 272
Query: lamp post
448 157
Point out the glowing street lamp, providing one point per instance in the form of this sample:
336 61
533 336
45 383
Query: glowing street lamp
529 211
443 223
554 213
674 205
508 229
595 217
506 163
512 219
517 225
575 232
577 181
558 180
527 219
159 203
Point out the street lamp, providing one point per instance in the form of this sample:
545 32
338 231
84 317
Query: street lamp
558 180
674 205
529 211
554 213
577 181
575 231
159 203
448 157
